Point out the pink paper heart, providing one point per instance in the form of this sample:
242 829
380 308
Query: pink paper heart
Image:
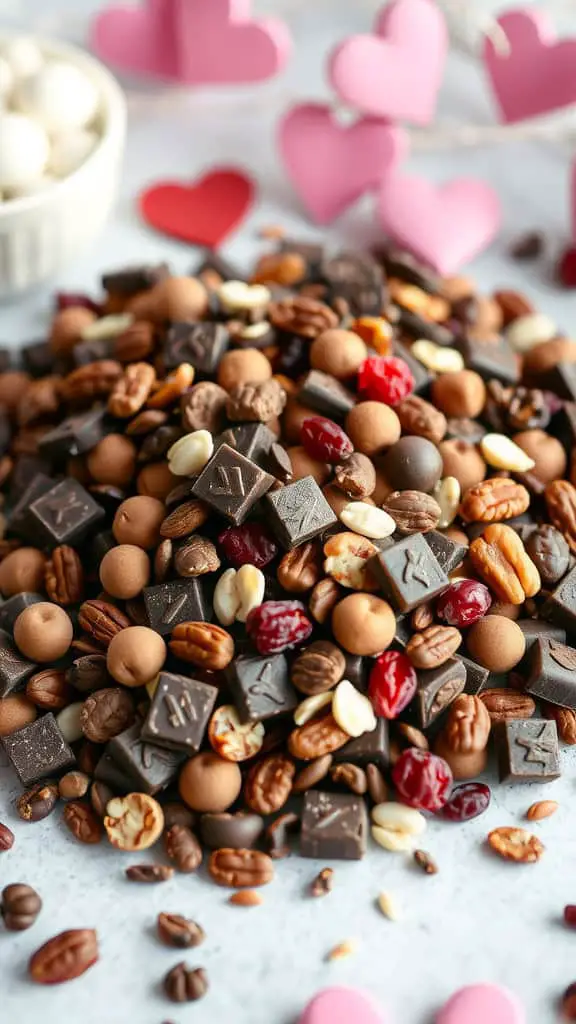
331 165
340 1005
397 72
221 43
534 73
446 225
482 1004
140 40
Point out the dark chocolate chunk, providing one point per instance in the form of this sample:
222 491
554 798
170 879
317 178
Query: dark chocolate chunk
239 831
214 263
536 629
89 673
334 826
149 766
403 265
409 573
254 440
560 607
553 673
403 630
25 468
19 520
15 669
110 773
38 751
11 608
299 512
86 352
6 358
231 484
422 378
73 436
168 604
437 688
261 688
465 429
356 278
38 358
448 553
279 464
370 748
476 676
527 750
130 280
356 671
416 326
327 395
64 515
179 713
200 344
490 359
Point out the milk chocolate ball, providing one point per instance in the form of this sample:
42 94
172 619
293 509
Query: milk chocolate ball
413 463
113 460
125 571
173 298
459 394
463 461
137 521
22 569
547 452
135 655
210 784
372 427
43 632
156 480
243 366
363 624
338 352
496 642
67 327
16 711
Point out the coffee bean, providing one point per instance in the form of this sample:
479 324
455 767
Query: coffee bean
183 984
178 931
182 847
149 873
20 905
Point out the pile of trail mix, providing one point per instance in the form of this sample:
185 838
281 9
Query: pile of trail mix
281 557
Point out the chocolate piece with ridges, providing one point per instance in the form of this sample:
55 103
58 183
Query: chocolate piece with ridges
261 688
409 573
334 826
64 515
370 748
528 750
175 601
231 484
299 512
254 440
149 766
38 751
325 394
75 435
448 553
553 673
179 713
200 344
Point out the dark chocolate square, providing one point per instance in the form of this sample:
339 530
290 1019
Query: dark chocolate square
491 359
200 344
38 751
130 280
109 772
64 515
448 553
15 669
327 395
299 512
19 520
179 713
553 673
334 826
150 766
261 688
370 748
560 607
75 435
409 573
231 484
437 688
536 629
422 378
254 440
168 604
476 676
528 750
358 279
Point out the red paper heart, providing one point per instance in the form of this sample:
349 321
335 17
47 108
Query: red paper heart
203 213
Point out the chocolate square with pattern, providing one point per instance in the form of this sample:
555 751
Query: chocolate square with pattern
75 435
476 676
358 279
490 359
179 713
298 512
19 519
168 604
334 826
15 669
528 750
231 484
64 515
150 766
409 573
535 629
327 395
437 688
448 553
200 344
370 748
553 673
254 440
261 688
11 608
25 468
560 607
109 772
38 751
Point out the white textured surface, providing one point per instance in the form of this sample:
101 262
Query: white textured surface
479 919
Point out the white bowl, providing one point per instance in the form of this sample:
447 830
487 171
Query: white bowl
41 233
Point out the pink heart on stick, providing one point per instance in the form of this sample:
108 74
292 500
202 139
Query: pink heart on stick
331 165
342 1006
221 43
531 72
482 1004
397 72
446 225
140 40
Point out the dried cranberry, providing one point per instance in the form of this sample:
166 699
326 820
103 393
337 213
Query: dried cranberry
66 299
324 440
467 801
385 379
566 268
570 915
250 544
277 625
393 683
463 603
422 779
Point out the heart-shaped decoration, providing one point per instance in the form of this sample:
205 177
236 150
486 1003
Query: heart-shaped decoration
446 225
482 1004
534 73
331 165
397 72
140 40
340 1005
203 213
221 43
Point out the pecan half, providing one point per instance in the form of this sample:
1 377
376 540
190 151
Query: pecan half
102 620
301 568
64 957
500 558
64 576
135 343
49 690
203 644
468 726
413 511
318 668
493 500
131 390
433 646
502 704
240 869
269 784
19 905
318 737
565 719
183 848
561 504
301 315
83 822
91 381
516 844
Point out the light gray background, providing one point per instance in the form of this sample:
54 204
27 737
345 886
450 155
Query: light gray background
479 918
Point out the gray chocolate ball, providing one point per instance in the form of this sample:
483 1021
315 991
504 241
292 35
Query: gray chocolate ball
413 463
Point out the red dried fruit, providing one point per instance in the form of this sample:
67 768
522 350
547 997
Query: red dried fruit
467 801
385 379
66 299
463 603
422 779
250 544
566 268
570 915
277 625
324 440
393 683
